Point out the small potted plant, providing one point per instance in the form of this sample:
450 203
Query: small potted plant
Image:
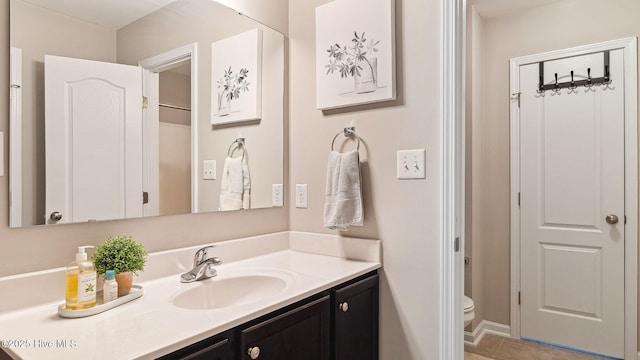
123 255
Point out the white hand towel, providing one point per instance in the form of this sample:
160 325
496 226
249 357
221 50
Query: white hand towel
235 189
343 205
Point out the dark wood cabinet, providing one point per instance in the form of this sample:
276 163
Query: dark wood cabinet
355 320
301 333
337 324
219 347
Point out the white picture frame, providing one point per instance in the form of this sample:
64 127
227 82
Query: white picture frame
236 78
355 53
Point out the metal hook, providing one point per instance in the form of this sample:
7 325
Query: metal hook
589 85
349 132
241 144
556 89
573 83
572 88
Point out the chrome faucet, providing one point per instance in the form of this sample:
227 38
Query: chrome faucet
202 266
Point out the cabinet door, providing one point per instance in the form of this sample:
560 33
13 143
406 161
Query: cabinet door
356 320
219 347
302 333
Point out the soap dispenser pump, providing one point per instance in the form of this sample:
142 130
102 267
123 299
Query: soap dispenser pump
81 282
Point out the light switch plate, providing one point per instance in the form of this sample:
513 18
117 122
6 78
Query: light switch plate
209 170
411 164
277 196
301 196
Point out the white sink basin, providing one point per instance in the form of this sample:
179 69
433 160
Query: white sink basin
232 290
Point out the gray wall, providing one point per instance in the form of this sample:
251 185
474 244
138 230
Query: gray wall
404 214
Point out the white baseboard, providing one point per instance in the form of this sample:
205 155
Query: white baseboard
487 327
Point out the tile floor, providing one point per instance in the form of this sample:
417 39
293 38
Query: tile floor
503 348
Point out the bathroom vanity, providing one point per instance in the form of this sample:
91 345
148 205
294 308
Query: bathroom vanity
342 321
279 296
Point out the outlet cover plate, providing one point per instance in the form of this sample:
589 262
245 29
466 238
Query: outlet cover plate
277 196
301 196
209 170
411 164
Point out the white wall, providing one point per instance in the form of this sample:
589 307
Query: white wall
474 274
273 13
405 215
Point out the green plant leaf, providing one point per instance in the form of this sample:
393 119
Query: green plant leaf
120 253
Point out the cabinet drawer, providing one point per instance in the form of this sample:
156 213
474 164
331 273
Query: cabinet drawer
302 333
219 347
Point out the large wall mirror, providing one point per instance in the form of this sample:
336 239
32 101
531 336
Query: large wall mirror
112 114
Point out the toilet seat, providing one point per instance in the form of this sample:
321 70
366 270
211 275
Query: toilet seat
469 314
468 304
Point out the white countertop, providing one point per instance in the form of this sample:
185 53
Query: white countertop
152 326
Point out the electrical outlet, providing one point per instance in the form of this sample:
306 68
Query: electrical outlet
411 164
301 196
277 196
209 170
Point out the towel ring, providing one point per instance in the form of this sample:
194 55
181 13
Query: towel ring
349 132
240 144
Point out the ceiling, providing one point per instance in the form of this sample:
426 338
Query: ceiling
111 14
494 8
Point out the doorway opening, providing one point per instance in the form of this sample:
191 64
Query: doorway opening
174 130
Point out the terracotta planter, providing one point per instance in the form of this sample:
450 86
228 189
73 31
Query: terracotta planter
124 280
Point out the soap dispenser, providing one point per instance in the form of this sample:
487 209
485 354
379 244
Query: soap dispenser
81 282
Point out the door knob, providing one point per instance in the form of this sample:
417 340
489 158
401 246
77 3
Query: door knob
56 216
611 219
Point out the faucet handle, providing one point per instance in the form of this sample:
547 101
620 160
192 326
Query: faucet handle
201 255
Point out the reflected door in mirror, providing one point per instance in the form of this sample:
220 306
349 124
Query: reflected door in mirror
93 140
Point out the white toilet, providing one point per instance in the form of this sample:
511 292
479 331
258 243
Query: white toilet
469 314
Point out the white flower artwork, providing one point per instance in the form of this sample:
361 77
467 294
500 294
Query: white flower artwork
236 78
355 53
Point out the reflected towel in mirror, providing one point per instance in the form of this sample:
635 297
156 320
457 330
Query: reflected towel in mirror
343 204
235 189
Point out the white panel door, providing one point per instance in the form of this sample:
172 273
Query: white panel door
93 136
572 178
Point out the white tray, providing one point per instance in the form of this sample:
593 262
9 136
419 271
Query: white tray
134 293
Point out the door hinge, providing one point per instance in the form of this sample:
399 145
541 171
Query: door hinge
456 244
519 298
625 219
518 199
145 102
516 96
145 197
